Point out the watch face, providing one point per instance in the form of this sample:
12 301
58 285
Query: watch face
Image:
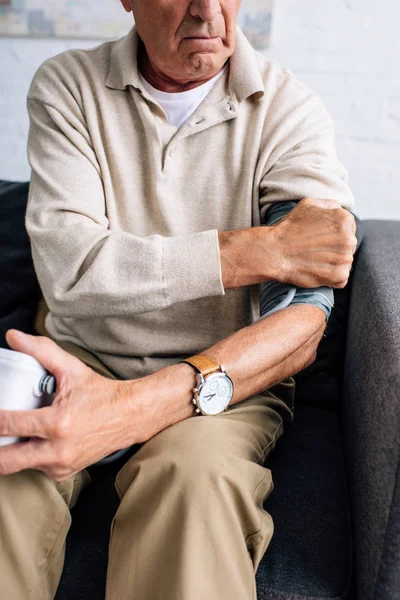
215 394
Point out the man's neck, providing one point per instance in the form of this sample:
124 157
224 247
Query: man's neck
163 82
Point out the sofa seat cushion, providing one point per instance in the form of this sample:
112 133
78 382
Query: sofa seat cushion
309 557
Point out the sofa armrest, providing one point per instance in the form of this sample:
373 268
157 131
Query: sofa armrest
371 411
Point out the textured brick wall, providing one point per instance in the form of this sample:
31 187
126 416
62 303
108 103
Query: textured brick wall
348 51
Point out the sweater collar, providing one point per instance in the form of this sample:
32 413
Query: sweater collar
245 79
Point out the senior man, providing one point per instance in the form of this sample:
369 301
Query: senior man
155 159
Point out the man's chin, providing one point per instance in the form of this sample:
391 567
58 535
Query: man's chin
204 64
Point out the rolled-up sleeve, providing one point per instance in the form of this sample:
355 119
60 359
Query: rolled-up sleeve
304 161
302 164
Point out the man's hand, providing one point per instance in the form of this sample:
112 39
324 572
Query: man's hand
91 416
88 420
312 246
316 242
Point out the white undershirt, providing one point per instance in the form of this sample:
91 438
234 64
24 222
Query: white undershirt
180 106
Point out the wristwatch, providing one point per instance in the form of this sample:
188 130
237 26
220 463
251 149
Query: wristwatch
214 389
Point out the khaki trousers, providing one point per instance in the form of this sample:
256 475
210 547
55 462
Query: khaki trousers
190 524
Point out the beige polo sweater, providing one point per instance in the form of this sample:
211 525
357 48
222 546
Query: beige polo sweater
124 209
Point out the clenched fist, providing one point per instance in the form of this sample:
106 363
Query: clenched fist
316 243
312 246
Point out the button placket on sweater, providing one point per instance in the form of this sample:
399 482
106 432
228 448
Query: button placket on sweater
201 120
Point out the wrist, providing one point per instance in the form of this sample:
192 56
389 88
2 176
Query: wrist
280 264
161 399
228 259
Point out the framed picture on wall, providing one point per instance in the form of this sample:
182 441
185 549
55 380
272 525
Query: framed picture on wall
106 19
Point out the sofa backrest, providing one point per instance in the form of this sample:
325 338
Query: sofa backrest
20 291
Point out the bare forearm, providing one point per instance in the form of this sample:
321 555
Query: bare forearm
248 256
259 356
256 358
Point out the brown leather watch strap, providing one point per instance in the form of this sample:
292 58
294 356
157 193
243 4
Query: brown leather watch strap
202 364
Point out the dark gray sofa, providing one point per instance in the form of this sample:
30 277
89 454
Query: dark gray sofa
336 502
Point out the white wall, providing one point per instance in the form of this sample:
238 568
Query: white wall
348 51
19 59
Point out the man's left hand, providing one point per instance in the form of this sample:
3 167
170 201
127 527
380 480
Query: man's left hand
89 419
